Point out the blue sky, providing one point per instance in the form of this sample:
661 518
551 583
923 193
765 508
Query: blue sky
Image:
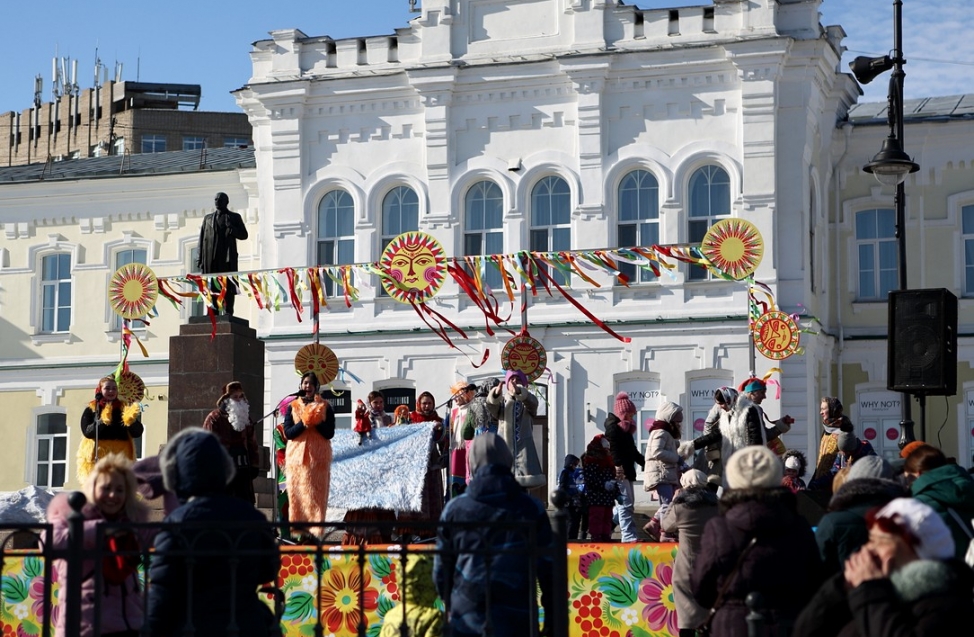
207 42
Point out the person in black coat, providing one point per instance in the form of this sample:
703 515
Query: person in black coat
232 548
620 428
904 581
782 564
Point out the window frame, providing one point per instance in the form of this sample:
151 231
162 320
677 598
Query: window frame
553 231
709 173
878 243
34 440
967 248
386 236
342 243
194 142
153 141
235 142
56 285
636 274
477 198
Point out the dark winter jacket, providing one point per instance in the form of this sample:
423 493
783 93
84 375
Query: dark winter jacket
233 549
783 565
623 448
949 487
843 530
465 575
925 598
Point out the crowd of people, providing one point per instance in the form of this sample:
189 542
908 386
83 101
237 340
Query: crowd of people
887 557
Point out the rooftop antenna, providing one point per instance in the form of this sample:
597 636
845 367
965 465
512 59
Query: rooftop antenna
38 90
413 8
98 67
118 72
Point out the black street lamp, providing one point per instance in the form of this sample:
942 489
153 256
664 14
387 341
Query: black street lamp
891 165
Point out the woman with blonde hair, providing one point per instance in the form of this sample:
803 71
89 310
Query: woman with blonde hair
109 426
112 496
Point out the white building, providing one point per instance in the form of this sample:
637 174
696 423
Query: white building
499 127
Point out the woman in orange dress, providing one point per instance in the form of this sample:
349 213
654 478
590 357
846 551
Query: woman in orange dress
309 425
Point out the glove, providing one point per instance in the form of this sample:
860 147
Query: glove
611 486
784 425
685 449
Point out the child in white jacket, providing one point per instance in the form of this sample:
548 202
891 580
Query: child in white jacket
663 464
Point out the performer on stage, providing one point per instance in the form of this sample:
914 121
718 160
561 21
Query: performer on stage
108 426
309 425
230 422
463 393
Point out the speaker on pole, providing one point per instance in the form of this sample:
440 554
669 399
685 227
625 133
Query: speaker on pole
922 343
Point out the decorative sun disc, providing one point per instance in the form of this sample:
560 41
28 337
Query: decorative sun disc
318 359
733 246
776 335
133 290
526 354
131 389
415 265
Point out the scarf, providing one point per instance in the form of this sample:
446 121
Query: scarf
311 413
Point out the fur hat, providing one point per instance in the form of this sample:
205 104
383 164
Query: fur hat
229 388
932 538
870 467
489 448
623 406
666 412
693 478
847 441
753 467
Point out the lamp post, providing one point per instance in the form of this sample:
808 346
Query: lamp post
891 164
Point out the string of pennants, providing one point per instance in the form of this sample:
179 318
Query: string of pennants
413 268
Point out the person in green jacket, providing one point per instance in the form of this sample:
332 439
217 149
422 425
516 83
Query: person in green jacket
417 614
947 488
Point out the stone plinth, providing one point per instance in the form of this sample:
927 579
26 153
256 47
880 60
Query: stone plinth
199 367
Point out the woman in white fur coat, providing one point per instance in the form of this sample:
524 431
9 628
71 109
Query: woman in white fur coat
663 464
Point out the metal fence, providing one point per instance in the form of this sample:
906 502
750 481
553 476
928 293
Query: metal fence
213 564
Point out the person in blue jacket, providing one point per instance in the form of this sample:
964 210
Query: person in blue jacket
232 549
482 567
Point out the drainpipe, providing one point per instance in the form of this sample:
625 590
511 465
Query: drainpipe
838 256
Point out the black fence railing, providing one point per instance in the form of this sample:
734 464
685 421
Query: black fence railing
198 579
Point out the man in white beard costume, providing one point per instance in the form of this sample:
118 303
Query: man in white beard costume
231 423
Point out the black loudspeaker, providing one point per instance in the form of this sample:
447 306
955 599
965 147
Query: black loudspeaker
922 347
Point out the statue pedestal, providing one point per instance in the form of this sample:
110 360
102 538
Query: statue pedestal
199 367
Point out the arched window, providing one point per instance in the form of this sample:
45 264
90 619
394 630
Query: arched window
483 231
709 190
336 232
551 211
400 213
638 219
876 248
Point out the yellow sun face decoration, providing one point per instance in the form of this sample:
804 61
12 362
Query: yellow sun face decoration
733 246
133 290
416 267
526 354
131 389
318 359
776 335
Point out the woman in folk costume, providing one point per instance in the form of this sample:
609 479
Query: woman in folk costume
746 425
514 407
833 422
309 425
108 426
432 505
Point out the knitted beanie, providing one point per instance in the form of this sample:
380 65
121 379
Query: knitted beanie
753 467
515 373
693 478
870 467
623 406
847 441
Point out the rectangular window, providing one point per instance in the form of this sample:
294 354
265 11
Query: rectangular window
51 459
967 223
877 253
56 293
153 143
236 142
190 143
125 257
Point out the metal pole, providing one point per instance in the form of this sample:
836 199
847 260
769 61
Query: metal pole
895 116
